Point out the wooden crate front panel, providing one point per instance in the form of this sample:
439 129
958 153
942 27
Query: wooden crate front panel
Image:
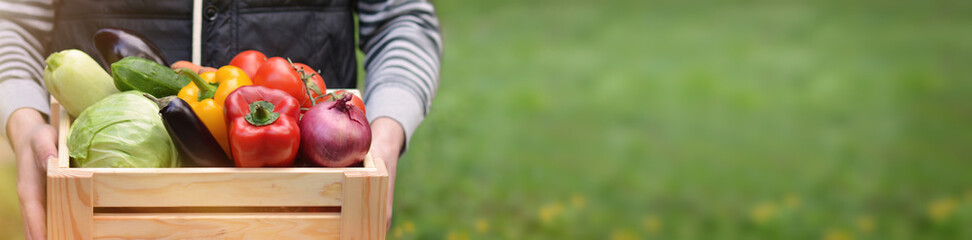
217 226
217 188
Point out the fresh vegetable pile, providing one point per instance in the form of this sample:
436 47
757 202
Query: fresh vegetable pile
254 112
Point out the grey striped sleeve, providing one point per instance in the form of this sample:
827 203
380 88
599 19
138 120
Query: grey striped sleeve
403 51
25 30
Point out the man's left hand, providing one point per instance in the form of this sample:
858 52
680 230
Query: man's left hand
387 139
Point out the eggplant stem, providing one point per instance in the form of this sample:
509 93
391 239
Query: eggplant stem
162 102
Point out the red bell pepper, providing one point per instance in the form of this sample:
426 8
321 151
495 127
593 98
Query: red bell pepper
263 129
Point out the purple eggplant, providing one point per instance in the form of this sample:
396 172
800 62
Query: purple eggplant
114 44
197 147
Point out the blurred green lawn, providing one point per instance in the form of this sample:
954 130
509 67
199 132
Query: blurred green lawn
695 120
579 119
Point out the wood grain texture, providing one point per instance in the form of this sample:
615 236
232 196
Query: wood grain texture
365 195
204 187
218 188
69 204
217 226
62 123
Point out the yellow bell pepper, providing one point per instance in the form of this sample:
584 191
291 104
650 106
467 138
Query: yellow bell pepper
207 101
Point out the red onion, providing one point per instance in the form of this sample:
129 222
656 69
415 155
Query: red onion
334 134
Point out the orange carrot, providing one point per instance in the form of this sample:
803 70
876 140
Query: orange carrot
186 64
206 69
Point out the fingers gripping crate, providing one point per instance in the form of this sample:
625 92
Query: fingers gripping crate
212 203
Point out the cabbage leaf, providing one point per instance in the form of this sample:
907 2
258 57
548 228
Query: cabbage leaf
121 130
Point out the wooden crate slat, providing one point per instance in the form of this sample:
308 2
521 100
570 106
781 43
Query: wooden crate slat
217 225
69 205
62 122
202 189
194 170
364 210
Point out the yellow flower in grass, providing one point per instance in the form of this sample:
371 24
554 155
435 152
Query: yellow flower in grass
578 201
619 234
457 235
865 224
939 210
482 226
550 211
652 224
397 232
763 212
837 234
408 226
791 200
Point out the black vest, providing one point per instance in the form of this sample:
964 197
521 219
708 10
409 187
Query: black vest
319 33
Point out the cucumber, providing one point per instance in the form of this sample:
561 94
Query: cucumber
135 73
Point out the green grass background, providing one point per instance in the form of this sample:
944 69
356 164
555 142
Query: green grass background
578 119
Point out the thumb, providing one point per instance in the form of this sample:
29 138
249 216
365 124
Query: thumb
44 145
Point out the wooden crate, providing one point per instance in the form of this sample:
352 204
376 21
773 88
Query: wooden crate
212 203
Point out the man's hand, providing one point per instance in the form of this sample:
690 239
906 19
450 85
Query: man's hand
387 139
34 141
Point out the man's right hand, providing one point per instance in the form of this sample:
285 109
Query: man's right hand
34 141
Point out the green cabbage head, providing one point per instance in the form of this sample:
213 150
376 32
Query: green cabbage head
121 130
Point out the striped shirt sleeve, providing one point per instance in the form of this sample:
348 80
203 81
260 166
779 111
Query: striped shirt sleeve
25 31
403 50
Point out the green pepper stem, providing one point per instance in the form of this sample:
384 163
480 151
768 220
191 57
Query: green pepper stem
261 114
206 90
